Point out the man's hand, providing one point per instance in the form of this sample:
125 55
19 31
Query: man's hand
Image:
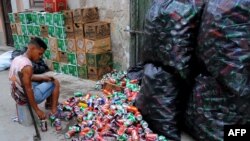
41 115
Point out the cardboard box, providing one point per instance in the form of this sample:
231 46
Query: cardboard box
55 5
97 73
99 59
24 29
82 71
86 15
58 19
55 56
34 17
98 46
68 17
21 41
49 19
97 30
44 31
62 44
112 87
72 58
53 44
13 28
30 29
78 27
46 40
36 30
63 57
25 17
47 54
80 47
70 34
64 68
56 67
90 15
60 32
81 59
11 17
73 70
19 29
71 45
49 64
15 38
26 39
41 18
52 32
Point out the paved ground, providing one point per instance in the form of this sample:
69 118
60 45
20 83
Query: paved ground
13 131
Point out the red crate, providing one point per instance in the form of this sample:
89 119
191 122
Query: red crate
55 5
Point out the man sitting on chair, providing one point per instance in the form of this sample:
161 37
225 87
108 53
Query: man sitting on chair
38 87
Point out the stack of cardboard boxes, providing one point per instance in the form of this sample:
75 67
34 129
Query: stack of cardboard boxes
79 44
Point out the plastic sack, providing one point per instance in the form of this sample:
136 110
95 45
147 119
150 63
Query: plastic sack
136 72
5 60
171 28
158 102
224 43
211 107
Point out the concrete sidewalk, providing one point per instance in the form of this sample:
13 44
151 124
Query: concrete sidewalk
13 131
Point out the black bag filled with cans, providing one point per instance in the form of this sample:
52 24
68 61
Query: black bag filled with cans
212 106
224 43
158 101
171 28
136 72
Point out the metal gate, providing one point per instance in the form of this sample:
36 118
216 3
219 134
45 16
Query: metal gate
6 7
138 11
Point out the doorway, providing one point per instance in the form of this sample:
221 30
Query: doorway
6 8
138 10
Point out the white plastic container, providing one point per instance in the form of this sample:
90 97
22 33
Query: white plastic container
23 114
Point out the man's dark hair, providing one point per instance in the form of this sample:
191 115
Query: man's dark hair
38 42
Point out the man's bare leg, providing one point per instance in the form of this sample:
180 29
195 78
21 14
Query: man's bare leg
55 96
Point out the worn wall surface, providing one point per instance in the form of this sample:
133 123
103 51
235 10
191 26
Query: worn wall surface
117 13
2 29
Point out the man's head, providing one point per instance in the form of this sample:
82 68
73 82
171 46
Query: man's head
36 48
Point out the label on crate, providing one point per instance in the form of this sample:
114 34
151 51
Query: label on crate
24 29
64 68
73 70
49 19
58 19
60 32
51 31
83 72
47 54
41 17
72 58
62 45
56 67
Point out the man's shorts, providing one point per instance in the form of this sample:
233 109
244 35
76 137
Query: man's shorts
42 90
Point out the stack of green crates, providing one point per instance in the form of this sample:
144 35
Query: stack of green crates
30 23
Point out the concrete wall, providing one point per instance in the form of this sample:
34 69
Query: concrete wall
117 13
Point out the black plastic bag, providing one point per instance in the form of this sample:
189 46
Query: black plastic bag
39 67
212 106
136 72
171 28
224 43
158 101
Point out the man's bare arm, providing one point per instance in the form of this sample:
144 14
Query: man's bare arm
41 78
27 74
